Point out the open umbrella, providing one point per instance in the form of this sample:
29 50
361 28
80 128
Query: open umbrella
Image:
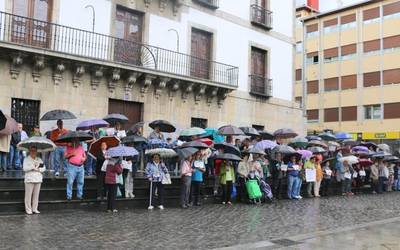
368 144
165 126
10 127
249 131
317 144
265 144
135 128
384 147
287 157
349 142
266 135
228 148
135 139
285 133
365 162
192 131
57 114
213 134
313 138
343 136
255 150
230 130
381 154
316 150
162 152
95 147
114 118
121 151
184 153
41 143
299 142
327 136
194 144
360 150
3 120
74 135
206 141
332 146
227 157
391 159
305 153
351 159
283 149
88 124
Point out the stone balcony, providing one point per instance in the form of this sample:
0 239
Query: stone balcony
43 44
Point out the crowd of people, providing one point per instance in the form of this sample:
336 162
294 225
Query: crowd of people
249 169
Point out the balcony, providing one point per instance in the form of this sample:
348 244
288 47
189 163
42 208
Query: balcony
260 86
212 4
58 41
261 16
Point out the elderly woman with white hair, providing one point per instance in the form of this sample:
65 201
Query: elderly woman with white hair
33 168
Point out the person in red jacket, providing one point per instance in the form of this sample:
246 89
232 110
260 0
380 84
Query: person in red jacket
113 169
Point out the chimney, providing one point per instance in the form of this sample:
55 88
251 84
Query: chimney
313 4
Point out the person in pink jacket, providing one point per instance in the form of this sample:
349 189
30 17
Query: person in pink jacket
113 169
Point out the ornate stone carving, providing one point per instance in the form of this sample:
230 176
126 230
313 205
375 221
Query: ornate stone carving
114 78
163 4
131 80
173 87
147 3
146 83
162 83
77 76
97 74
199 92
222 95
38 65
58 71
211 93
15 66
176 6
186 89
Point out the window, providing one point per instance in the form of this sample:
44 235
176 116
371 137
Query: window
299 100
348 22
312 30
259 82
27 112
349 82
349 113
298 74
371 15
391 76
312 58
201 42
391 110
372 79
348 51
372 112
198 122
312 115
331 115
330 55
331 84
391 43
258 127
299 47
312 87
391 10
372 47
330 26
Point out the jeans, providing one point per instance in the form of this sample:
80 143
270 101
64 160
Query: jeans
325 190
346 185
78 174
58 155
381 184
292 186
310 186
89 165
111 196
396 184
196 192
160 194
185 190
298 183
14 158
3 160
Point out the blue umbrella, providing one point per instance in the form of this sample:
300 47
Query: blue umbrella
343 136
121 151
97 123
217 138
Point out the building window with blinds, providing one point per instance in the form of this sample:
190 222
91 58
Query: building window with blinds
312 115
312 58
331 84
348 22
331 115
312 30
372 112
330 55
330 26
371 15
391 44
391 76
348 52
391 10
372 79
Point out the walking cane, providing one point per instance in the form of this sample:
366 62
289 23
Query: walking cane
151 192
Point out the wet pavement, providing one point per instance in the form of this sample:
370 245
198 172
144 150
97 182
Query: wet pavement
324 223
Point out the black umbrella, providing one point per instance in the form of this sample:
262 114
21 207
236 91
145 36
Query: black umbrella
135 127
165 126
184 153
74 135
249 131
114 118
135 139
266 135
368 144
230 130
349 143
3 120
57 114
316 150
228 148
313 138
194 144
255 150
283 149
228 157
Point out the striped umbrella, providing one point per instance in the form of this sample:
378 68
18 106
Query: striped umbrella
121 151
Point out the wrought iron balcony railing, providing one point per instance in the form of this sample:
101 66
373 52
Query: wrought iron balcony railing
66 40
213 4
260 86
261 16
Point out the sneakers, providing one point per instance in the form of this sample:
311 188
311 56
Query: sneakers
223 203
28 212
150 208
36 212
57 174
115 211
161 207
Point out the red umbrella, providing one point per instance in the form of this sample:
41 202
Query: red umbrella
206 141
10 127
95 147
365 162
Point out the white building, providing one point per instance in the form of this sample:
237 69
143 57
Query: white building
193 62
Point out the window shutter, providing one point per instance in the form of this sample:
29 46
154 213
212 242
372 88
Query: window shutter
312 114
331 22
331 52
331 115
312 27
312 87
298 74
391 8
349 113
392 110
391 42
349 49
372 45
331 84
348 18
391 76
349 82
371 13
372 79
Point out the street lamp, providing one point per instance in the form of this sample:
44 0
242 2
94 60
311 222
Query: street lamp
94 15
177 38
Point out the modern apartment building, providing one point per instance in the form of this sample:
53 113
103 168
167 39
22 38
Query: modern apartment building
192 62
348 69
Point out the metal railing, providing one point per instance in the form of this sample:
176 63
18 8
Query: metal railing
213 4
261 16
66 40
260 86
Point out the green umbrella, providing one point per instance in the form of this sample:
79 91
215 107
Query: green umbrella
327 136
192 131
299 142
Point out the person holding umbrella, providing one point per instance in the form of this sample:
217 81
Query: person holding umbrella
75 156
227 179
58 155
156 134
155 173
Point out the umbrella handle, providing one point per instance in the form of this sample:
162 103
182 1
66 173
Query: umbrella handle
151 192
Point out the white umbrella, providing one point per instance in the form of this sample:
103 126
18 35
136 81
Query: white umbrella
41 143
351 159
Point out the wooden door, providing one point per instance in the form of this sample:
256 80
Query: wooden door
28 31
201 52
129 29
132 110
259 11
258 69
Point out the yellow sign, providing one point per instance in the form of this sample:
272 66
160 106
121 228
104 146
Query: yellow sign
383 135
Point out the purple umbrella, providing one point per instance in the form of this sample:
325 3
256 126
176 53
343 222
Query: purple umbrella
122 151
305 153
360 150
285 133
265 144
97 123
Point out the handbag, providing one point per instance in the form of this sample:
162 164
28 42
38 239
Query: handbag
166 179
119 179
